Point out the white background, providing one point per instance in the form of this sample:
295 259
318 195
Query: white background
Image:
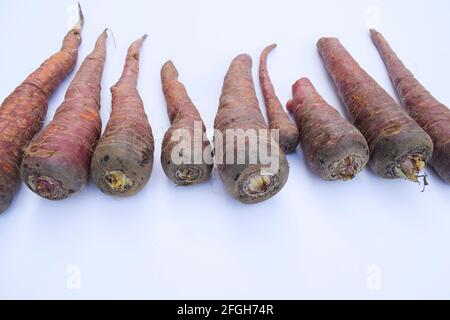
367 238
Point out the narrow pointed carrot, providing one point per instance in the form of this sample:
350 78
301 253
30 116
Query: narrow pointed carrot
399 147
278 118
333 147
24 110
186 124
238 114
56 162
430 114
123 159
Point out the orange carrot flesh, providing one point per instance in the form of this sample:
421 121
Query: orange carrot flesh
399 147
430 114
56 163
278 118
185 121
123 159
239 110
333 148
24 110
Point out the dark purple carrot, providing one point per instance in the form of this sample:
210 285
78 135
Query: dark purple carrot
123 159
399 148
193 164
239 114
333 147
56 163
430 114
24 110
278 118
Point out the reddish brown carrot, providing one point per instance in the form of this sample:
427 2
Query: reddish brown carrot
238 113
399 147
186 125
278 119
123 159
56 163
333 148
24 110
430 114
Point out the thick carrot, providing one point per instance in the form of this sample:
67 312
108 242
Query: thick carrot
239 116
430 114
24 110
56 162
399 147
333 147
195 160
278 118
123 159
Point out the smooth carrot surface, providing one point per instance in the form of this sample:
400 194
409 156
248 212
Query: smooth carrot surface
278 118
399 147
123 159
56 163
23 111
333 147
430 114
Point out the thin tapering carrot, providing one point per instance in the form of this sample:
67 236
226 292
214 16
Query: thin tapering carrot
430 114
123 159
193 166
24 110
333 147
238 115
278 118
56 163
399 147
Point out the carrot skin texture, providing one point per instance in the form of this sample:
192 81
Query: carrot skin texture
430 114
334 149
123 159
398 146
278 118
23 111
56 162
187 123
239 110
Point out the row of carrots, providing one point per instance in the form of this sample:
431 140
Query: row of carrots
57 161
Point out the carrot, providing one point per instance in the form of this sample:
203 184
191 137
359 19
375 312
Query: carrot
333 148
430 114
252 180
56 162
195 163
123 159
399 147
278 118
24 110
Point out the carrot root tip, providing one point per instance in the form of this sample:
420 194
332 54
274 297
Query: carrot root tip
80 23
257 186
346 168
187 175
118 181
47 187
411 167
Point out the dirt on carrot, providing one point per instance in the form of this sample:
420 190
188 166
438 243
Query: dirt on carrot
123 159
399 147
24 110
242 137
333 147
278 118
186 154
430 114
56 162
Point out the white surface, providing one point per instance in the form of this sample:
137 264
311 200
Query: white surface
315 239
